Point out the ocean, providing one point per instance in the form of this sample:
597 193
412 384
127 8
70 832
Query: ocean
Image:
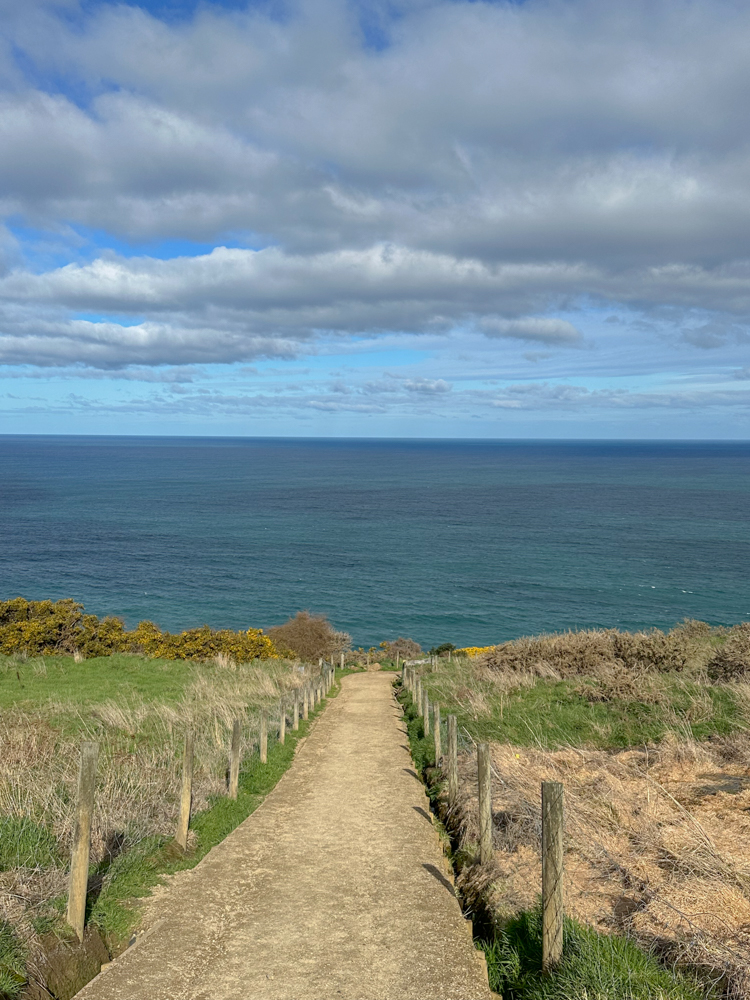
469 542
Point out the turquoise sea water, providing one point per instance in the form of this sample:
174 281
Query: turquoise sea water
469 542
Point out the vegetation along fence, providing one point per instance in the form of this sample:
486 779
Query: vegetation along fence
299 703
581 824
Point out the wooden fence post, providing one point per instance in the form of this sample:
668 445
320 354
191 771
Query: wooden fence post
282 722
343 661
79 859
426 712
418 698
484 775
263 738
186 795
295 716
305 700
398 658
234 761
452 759
552 873
436 727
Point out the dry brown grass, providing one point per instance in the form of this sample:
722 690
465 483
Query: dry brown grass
658 843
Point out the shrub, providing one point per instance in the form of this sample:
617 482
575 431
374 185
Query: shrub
309 637
407 649
39 627
732 659
444 647
570 654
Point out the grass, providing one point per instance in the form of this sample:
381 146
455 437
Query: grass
603 705
137 710
26 844
556 714
594 966
59 680
597 965
12 962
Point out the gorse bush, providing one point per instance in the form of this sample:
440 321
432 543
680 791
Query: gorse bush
41 627
732 659
577 653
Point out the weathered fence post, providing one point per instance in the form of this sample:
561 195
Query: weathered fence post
234 760
418 697
295 716
282 722
343 661
263 738
398 657
305 700
452 759
552 873
79 859
484 775
436 727
186 795
426 712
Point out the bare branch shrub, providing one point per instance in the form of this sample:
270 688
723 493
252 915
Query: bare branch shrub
309 637
407 649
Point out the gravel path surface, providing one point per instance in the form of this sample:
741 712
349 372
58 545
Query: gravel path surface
336 887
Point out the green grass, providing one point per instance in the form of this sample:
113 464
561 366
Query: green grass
594 966
554 714
26 844
12 962
33 683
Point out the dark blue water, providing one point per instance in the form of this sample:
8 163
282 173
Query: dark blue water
467 542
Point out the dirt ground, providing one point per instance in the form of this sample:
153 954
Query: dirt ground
336 887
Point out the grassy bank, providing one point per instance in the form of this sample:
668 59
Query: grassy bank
593 689
137 710
596 965
650 740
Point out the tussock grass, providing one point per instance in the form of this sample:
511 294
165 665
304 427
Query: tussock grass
594 967
138 711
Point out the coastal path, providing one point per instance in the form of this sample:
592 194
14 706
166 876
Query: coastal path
335 888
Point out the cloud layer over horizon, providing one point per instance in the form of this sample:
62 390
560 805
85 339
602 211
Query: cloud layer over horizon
232 185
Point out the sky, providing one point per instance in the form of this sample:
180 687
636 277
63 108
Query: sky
412 218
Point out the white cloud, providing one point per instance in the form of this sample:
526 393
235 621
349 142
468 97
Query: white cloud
493 167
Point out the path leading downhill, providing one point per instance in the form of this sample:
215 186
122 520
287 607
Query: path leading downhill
336 887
